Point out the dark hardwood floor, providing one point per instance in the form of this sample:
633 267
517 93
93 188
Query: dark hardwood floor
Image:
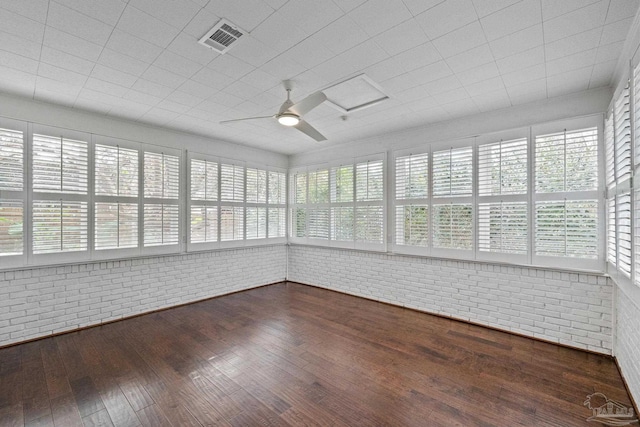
289 354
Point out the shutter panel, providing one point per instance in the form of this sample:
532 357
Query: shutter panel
622 136
452 226
231 183
453 172
609 152
319 186
256 186
636 225
342 221
59 226
11 227
342 184
161 224
567 161
623 214
277 222
412 177
318 223
369 181
369 222
204 224
231 223
300 188
59 165
116 225
277 188
502 168
412 225
204 180
116 171
611 231
161 176
502 227
299 222
11 160
567 228
256 222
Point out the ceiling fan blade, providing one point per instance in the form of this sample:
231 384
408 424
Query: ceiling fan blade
309 103
309 130
246 118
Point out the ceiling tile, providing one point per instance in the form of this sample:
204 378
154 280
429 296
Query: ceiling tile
522 60
416 7
621 9
572 62
105 87
133 46
72 44
470 59
197 89
616 32
571 82
512 19
517 42
573 44
609 52
484 7
212 78
528 92
443 85
283 67
493 100
247 14
159 116
32 9
460 40
106 11
188 47
19 25
351 62
175 13
446 17
230 66
310 15
55 85
177 64
162 77
150 88
142 98
272 29
260 80
66 60
485 86
417 57
242 90
184 98
19 45
402 37
555 8
376 16
349 5
384 70
448 96
575 22
528 74
72 22
310 52
478 74
17 82
173 106
146 27
113 76
62 75
123 63
602 74
341 35
202 22
18 62
253 51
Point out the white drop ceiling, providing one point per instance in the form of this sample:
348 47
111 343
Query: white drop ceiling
437 60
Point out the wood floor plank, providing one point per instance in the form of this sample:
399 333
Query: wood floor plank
289 354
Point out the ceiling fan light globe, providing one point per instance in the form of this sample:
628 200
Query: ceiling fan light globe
288 119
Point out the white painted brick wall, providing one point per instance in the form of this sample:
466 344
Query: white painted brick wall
567 308
628 341
42 301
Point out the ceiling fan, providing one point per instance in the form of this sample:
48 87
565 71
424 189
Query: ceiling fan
290 114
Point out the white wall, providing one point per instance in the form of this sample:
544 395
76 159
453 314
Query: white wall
567 308
41 301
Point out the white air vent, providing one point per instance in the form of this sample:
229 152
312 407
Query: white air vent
222 37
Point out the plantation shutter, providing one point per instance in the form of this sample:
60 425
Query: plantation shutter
411 199
59 226
502 168
231 223
503 227
256 220
369 210
161 190
622 136
611 231
277 188
623 228
453 172
452 226
412 225
567 228
609 152
203 209
204 180
277 222
342 184
231 183
11 192
369 181
276 210
256 186
412 177
342 223
369 224
60 165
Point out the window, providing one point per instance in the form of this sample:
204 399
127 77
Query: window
412 200
502 199
566 198
277 209
452 211
12 195
116 195
161 199
342 205
60 206
256 194
203 204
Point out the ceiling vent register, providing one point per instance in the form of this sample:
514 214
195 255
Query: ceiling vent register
222 37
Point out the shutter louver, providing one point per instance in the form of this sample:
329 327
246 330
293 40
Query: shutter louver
452 226
256 186
318 219
611 231
453 172
204 180
277 188
161 224
256 223
369 222
622 136
502 168
342 184
59 165
59 226
231 223
502 227
342 222
116 171
319 186
231 183
116 225
161 176
412 225
299 222
204 224
369 181
609 152
412 177
277 222
623 225
11 182
636 231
